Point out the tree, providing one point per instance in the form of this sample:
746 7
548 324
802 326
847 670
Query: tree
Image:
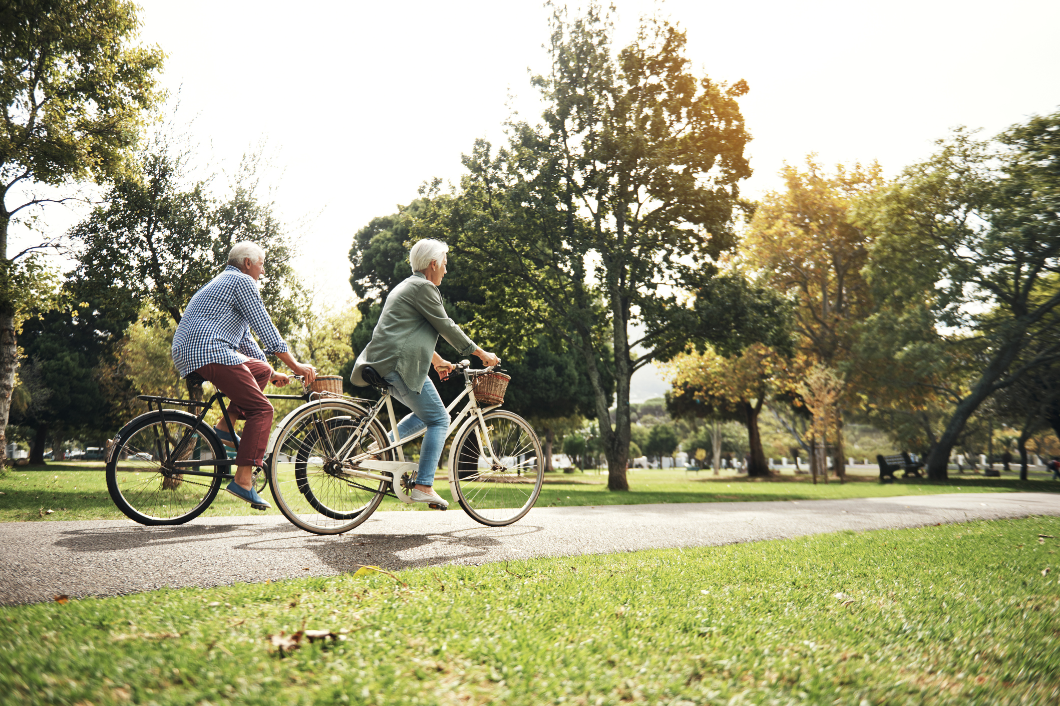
682 402
820 392
980 225
161 240
735 387
73 87
610 213
662 441
322 334
65 348
806 242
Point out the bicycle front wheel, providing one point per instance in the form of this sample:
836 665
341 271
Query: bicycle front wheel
310 483
142 479
500 487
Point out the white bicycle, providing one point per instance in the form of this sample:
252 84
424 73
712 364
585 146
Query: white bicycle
331 463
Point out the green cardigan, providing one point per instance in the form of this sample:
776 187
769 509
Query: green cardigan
407 332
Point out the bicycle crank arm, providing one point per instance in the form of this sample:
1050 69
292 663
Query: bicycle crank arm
394 469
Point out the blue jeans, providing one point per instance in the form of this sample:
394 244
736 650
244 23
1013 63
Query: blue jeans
427 411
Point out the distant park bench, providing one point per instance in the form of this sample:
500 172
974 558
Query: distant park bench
889 465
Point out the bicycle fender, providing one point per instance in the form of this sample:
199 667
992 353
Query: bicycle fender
174 414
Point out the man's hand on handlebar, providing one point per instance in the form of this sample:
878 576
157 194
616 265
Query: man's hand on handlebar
306 371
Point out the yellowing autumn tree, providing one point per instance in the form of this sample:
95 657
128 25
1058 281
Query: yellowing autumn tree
805 242
741 383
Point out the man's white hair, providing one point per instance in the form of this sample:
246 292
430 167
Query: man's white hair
242 250
425 252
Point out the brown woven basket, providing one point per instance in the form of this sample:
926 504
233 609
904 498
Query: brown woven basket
331 384
490 387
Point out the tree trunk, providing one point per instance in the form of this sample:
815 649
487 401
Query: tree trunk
40 438
548 449
1022 446
8 365
715 440
939 456
614 440
758 466
840 447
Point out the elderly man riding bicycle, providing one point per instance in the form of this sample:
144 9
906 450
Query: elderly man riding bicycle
213 340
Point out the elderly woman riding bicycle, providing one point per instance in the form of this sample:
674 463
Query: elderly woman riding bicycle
402 350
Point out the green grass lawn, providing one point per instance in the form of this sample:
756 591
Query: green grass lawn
78 491
953 614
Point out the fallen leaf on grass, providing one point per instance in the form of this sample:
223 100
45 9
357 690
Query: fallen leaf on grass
1045 571
289 643
1040 536
365 570
122 694
62 599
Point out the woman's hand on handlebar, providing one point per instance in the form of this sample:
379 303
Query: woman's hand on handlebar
279 379
442 366
488 359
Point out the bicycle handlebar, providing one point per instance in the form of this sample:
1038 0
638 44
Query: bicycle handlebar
464 366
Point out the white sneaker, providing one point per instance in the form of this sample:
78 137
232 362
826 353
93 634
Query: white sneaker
432 498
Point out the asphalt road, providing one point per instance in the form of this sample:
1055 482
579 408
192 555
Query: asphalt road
39 560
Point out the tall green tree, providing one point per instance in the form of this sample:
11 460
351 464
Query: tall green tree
599 222
975 233
73 85
159 237
66 347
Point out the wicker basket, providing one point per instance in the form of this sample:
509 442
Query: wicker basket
490 387
330 384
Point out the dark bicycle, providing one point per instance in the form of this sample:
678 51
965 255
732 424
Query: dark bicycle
166 466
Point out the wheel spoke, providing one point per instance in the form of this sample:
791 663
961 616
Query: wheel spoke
492 494
143 488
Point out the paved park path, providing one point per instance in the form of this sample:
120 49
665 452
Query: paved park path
39 560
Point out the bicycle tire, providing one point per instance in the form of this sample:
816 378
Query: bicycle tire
141 485
308 482
497 494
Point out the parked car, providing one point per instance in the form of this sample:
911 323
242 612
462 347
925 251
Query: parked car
94 453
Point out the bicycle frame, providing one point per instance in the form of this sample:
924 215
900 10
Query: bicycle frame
187 467
394 469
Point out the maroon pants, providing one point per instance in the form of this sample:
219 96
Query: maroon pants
243 385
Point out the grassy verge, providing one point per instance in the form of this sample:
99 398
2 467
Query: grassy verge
950 614
79 491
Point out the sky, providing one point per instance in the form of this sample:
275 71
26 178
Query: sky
359 103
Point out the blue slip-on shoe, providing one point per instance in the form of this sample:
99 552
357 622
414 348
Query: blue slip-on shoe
251 496
227 438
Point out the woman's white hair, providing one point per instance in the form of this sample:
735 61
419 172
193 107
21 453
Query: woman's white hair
425 252
242 250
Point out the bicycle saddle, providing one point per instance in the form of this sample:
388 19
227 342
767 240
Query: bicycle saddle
373 378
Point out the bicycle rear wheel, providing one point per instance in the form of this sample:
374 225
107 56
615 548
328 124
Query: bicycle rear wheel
141 478
309 482
497 492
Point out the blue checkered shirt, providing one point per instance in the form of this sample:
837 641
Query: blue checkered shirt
216 325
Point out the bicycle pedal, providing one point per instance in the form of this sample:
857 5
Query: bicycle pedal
436 506
257 506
